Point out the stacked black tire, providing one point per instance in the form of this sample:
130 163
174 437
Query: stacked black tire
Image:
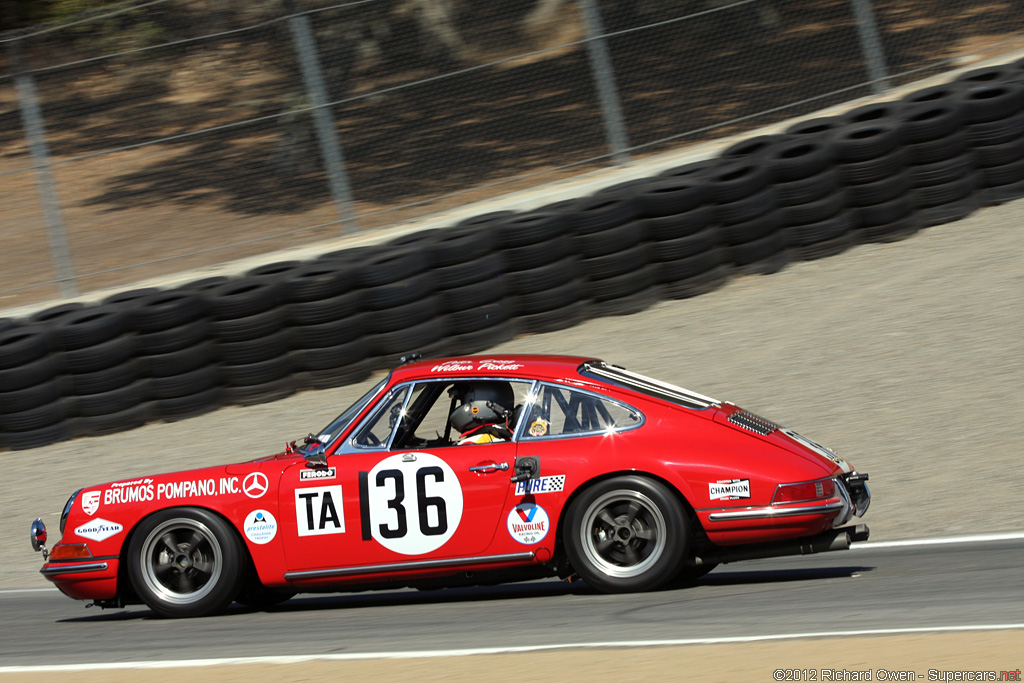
326 324
32 409
176 354
685 245
545 287
614 259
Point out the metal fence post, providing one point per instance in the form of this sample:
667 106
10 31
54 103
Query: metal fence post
32 121
871 44
604 79
326 132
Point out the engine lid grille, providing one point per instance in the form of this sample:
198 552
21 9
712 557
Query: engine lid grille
754 423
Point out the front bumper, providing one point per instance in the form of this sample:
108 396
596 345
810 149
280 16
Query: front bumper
93 579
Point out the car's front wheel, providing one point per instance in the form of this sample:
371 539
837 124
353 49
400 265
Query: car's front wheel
185 562
626 534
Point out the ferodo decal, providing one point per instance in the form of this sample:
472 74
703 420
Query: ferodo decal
541 485
319 511
729 489
99 529
260 527
318 473
91 502
411 504
528 523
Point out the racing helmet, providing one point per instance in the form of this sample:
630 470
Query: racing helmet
482 403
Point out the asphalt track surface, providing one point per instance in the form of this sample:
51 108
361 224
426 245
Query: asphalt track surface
903 587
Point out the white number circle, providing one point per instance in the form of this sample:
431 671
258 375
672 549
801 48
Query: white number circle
415 506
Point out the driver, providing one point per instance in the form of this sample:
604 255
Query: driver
484 413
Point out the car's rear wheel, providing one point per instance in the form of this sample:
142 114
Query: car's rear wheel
185 562
626 534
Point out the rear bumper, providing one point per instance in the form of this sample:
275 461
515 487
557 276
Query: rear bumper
732 526
93 579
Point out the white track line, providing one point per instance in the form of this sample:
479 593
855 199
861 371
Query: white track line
977 538
425 654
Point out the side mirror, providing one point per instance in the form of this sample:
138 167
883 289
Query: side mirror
38 537
315 455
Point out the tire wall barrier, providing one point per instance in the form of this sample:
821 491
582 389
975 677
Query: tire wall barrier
877 173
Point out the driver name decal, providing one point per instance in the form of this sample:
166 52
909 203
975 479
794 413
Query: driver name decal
729 489
319 511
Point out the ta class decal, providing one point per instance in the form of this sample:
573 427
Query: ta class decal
410 503
91 502
260 527
528 523
729 489
99 529
541 485
319 511
318 473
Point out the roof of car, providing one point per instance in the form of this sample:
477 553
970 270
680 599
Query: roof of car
548 367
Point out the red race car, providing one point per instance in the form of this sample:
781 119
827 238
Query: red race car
466 471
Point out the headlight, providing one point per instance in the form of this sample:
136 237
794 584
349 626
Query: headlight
67 509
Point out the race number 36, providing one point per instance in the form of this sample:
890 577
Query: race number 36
410 507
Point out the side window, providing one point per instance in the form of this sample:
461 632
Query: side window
377 430
433 403
559 411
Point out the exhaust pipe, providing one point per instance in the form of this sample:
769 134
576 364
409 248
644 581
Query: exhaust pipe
833 539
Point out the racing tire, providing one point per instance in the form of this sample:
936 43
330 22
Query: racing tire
530 228
326 310
480 340
185 562
626 534
90 326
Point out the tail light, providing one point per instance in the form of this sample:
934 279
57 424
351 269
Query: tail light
804 491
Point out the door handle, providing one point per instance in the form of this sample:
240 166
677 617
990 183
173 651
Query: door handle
493 467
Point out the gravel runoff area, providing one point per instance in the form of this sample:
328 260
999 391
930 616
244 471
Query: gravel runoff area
906 358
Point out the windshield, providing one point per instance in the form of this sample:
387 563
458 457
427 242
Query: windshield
342 422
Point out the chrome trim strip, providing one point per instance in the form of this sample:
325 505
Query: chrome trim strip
74 569
769 512
407 566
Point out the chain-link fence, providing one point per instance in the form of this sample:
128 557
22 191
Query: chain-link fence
152 137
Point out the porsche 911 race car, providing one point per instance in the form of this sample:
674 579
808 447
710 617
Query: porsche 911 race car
467 471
